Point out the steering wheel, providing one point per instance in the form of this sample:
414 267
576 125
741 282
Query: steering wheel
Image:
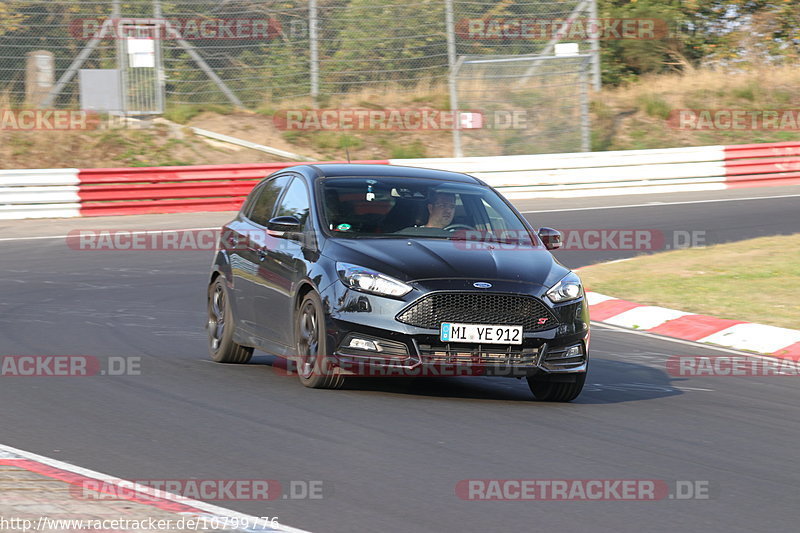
453 227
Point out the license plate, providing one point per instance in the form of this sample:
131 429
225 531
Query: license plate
480 333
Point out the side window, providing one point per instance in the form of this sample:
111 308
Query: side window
264 203
295 202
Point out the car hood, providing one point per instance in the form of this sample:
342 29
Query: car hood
422 259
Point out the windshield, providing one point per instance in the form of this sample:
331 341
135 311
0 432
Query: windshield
417 207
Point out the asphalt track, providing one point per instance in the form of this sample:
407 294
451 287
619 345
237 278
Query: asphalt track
390 452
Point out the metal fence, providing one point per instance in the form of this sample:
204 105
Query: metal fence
523 104
262 53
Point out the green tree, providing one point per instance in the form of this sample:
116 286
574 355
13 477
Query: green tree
367 41
701 32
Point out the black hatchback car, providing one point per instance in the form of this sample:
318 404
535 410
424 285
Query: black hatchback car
377 270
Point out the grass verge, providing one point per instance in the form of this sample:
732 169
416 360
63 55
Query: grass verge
756 280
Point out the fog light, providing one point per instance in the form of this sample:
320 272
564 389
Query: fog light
573 351
363 344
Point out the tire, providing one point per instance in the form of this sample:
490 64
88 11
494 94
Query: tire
314 366
552 391
221 326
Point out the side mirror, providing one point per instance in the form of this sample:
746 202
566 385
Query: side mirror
550 237
282 226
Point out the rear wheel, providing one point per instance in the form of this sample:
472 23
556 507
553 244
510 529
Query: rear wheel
553 391
314 364
220 327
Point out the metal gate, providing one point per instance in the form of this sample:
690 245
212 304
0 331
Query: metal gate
141 67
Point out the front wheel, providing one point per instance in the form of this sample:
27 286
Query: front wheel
314 364
553 391
220 327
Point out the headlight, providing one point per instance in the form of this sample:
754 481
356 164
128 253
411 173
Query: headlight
364 279
569 288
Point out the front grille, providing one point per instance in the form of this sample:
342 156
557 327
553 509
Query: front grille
432 309
477 354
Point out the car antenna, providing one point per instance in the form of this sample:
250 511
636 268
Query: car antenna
347 152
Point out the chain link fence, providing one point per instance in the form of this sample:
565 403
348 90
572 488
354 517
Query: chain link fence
261 54
525 104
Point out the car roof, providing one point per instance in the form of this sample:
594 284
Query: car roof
330 170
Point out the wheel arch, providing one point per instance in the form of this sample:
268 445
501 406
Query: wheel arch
221 266
304 288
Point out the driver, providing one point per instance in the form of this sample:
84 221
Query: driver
441 210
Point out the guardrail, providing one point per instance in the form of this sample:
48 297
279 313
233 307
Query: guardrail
47 193
127 191
748 165
64 193
631 171
56 193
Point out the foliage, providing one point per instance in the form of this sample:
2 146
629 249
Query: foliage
388 42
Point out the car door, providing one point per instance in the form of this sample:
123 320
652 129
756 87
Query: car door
282 267
243 238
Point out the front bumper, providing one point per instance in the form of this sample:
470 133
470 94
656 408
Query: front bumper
426 358
561 350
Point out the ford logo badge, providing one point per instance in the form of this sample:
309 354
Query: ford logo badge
482 285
